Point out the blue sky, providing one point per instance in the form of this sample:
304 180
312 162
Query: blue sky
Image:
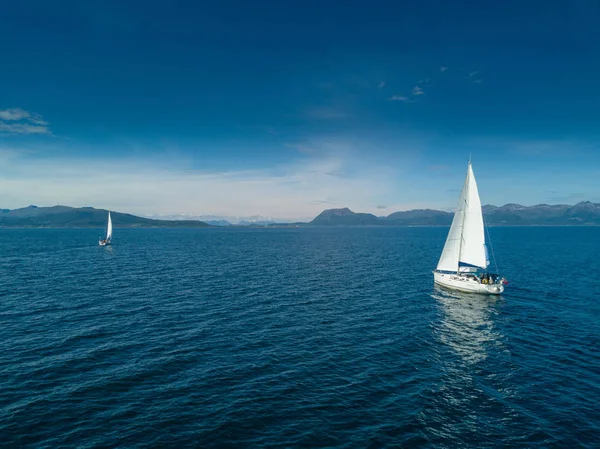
283 108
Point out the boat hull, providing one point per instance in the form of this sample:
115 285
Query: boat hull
101 243
467 285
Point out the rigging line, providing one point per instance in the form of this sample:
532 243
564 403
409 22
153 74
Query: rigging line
462 230
489 240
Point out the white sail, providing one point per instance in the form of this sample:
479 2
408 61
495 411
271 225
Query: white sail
473 251
451 252
109 228
465 243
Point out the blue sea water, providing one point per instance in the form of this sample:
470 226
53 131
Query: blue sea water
295 337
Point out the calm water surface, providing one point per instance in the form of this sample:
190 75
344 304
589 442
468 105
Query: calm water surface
295 337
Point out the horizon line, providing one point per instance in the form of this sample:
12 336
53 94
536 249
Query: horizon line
196 218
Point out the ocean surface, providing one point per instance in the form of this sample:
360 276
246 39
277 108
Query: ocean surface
295 338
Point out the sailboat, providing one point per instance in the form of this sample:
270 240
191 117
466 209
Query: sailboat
108 239
464 262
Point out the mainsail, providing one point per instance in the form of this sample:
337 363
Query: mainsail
109 228
465 244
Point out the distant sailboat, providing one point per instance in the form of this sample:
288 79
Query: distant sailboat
108 239
464 260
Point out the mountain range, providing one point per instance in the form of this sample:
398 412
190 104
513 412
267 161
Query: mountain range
584 213
83 217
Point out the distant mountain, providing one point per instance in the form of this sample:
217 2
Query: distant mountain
83 217
419 217
584 213
345 217
296 224
218 223
255 223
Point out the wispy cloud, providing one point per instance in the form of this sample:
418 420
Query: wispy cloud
381 206
400 98
430 81
416 91
301 147
475 77
37 119
285 192
19 121
23 128
14 114
325 201
381 84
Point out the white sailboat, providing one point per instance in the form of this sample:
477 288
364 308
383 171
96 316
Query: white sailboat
464 260
108 239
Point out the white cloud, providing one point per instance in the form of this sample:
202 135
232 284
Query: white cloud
417 90
400 98
19 121
38 120
443 68
287 192
14 114
301 147
23 128
475 77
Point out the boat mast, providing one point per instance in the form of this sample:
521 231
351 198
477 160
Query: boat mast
460 242
462 227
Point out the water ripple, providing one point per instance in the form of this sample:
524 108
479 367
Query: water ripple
297 337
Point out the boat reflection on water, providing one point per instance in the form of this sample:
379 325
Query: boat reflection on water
470 363
467 324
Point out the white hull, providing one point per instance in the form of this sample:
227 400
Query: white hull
465 284
101 243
